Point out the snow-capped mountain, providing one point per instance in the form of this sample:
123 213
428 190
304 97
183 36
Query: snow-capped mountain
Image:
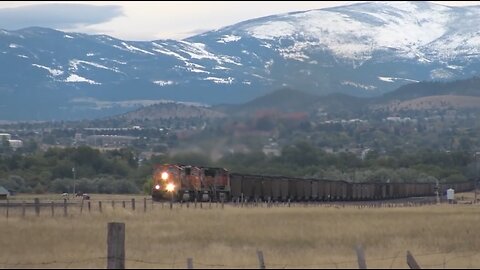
363 49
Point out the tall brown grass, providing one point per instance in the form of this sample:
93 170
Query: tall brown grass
296 237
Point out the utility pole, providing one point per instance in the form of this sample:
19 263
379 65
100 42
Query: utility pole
73 171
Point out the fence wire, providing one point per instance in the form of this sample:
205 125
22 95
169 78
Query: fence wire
183 263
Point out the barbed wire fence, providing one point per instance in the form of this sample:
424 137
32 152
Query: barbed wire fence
54 208
116 259
85 206
184 264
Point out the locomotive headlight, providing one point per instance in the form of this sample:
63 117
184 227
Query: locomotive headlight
170 187
164 176
157 187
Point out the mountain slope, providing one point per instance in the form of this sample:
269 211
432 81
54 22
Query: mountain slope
170 111
364 49
468 87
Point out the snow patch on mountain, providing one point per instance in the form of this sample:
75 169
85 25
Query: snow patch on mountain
53 72
440 73
160 49
198 51
73 78
135 49
75 63
217 80
359 85
228 38
163 83
393 79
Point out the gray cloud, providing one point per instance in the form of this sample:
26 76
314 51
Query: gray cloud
59 16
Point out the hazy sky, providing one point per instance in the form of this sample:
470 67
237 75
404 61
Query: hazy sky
150 20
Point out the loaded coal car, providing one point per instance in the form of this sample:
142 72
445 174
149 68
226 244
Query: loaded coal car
276 184
314 189
292 188
236 187
338 190
267 188
246 187
323 190
307 189
299 189
284 184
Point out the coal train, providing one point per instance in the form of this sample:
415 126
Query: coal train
188 183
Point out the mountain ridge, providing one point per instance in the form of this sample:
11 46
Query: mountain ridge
365 50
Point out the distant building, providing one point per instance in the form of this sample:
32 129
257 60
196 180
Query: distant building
5 136
400 119
271 149
109 140
15 143
78 137
4 193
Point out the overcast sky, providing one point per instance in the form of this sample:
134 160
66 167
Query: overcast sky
150 20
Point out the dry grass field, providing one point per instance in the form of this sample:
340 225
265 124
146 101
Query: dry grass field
439 236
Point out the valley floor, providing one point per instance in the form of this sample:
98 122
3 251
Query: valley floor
297 237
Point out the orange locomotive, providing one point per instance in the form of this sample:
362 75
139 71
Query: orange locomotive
189 183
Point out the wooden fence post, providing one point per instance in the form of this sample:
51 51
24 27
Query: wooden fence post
133 204
361 257
412 263
144 205
37 206
100 206
261 261
123 204
113 204
81 206
65 211
189 263
116 246
52 204
89 205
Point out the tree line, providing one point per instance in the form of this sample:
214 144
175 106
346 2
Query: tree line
121 171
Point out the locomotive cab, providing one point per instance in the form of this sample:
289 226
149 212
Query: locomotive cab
167 182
